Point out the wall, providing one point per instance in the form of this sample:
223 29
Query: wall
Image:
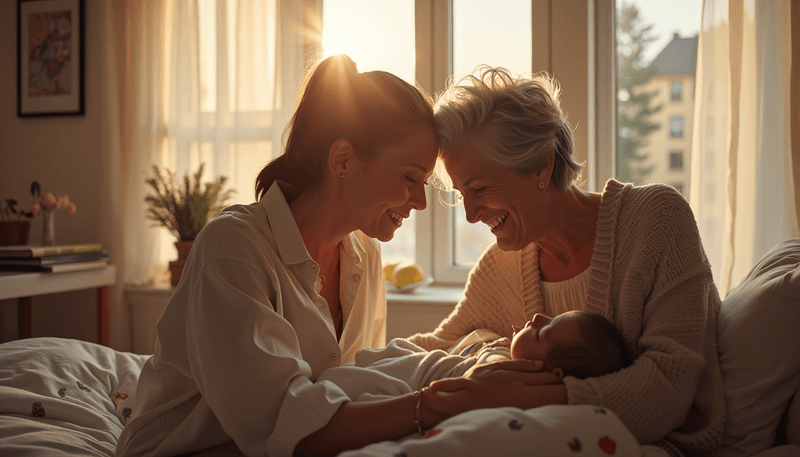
64 154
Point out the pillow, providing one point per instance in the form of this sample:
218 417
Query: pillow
759 350
61 396
793 420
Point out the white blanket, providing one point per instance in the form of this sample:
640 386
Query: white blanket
399 368
61 397
64 397
556 430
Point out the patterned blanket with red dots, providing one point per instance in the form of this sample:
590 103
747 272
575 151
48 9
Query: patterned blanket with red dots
556 430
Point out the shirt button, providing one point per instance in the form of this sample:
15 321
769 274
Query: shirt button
334 356
356 277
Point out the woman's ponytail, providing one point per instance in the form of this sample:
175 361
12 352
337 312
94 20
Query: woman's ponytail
370 110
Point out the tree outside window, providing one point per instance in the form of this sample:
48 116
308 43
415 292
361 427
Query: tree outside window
633 103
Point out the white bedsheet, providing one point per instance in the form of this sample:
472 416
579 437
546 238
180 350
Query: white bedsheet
61 397
64 397
556 430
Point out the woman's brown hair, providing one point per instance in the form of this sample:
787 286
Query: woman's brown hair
371 110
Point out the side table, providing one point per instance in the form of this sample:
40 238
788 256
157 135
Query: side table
25 285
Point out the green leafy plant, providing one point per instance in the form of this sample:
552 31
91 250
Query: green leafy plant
10 208
185 208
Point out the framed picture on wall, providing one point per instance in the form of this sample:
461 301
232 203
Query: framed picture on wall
50 57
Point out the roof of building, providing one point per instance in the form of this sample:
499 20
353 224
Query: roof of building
679 57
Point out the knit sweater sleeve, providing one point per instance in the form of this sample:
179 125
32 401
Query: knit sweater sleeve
663 300
494 299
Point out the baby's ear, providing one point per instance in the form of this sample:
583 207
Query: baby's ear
558 372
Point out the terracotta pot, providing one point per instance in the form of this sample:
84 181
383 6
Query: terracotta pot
14 232
176 266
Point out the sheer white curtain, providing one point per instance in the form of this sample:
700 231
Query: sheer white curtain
744 186
191 81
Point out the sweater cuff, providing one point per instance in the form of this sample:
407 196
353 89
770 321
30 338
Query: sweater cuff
583 392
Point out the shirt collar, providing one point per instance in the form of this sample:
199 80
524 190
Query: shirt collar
287 235
284 228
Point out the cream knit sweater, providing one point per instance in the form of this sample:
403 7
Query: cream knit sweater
651 278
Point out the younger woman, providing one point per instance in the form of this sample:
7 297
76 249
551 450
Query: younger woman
277 291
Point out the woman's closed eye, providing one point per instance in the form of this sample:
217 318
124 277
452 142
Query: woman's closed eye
412 180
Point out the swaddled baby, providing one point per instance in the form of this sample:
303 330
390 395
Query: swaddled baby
576 343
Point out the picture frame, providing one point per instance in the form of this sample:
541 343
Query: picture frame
50 57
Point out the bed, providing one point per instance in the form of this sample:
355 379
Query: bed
66 397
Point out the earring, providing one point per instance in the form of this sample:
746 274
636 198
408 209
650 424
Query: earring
341 174
541 186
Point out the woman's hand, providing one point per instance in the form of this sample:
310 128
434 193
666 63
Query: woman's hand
509 383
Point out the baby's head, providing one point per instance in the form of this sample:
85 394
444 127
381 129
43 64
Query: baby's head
577 343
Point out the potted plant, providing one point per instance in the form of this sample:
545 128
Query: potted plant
184 208
15 224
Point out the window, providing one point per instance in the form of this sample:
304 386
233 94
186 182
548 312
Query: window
656 45
503 39
676 126
464 36
383 40
675 91
676 160
450 37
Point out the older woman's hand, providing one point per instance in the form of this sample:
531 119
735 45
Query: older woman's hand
509 383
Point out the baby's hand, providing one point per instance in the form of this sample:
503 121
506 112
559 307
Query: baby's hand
500 342
502 345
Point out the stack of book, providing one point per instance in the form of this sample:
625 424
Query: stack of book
55 259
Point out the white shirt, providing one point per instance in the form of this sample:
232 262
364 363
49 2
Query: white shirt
246 334
568 295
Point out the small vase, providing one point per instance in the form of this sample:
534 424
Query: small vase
49 227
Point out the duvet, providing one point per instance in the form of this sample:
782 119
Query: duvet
72 398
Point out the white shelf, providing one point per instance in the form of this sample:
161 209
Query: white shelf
16 284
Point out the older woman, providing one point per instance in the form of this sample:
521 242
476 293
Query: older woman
632 254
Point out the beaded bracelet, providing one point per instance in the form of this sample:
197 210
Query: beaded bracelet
418 409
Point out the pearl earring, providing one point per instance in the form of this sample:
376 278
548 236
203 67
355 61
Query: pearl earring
541 186
341 174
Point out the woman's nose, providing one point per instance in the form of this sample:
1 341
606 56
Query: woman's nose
471 209
418 199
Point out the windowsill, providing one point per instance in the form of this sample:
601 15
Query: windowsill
420 310
433 295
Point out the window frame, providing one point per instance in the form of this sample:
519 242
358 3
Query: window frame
589 99
676 95
672 162
674 120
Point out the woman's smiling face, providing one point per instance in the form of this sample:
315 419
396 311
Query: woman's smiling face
392 184
495 195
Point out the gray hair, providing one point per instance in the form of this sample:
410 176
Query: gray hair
515 122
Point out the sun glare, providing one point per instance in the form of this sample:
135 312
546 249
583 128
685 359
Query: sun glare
377 35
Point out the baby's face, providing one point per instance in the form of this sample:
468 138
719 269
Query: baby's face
543 334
